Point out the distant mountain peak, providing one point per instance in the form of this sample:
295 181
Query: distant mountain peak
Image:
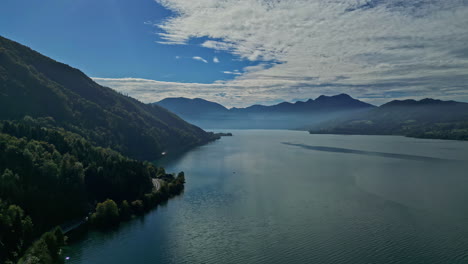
339 101
322 98
334 97
343 95
191 107
412 102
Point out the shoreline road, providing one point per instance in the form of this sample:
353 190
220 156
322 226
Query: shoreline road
156 184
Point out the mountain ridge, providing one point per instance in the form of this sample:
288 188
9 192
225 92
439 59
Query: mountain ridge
32 84
425 118
191 106
341 114
323 100
425 101
284 115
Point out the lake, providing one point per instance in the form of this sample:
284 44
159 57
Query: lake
276 196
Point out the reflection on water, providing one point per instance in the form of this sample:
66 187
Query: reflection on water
254 198
360 152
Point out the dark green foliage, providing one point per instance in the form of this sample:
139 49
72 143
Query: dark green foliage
177 185
224 134
107 214
16 232
160 172
32 84
170 186
64 179
426 118
180 178
55 176
55 160
46 250
125 211
47 184
138 207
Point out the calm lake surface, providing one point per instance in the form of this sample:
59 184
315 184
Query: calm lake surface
266 196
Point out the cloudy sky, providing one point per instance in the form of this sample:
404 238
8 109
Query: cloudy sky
242 52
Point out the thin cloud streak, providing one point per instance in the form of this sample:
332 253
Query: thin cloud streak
199 59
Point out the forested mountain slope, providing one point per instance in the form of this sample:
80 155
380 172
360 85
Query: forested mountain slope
50 176
35 85
63 139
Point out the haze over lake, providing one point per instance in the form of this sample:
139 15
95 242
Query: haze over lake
276 196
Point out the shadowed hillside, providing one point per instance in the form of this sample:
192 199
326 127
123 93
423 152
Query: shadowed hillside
32 84
192 107
427 118
58 139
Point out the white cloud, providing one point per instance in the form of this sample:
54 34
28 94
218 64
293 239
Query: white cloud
242 92
344 42
376 50
199 59
215 60
217 45
235 72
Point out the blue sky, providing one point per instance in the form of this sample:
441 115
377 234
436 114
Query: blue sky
266 51
112 39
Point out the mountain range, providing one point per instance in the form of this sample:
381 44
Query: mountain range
426 118
339 114
284 115
323 103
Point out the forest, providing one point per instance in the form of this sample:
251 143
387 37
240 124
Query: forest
71 150
50 176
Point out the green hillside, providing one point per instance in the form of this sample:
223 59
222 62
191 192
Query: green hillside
64 142
34 85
